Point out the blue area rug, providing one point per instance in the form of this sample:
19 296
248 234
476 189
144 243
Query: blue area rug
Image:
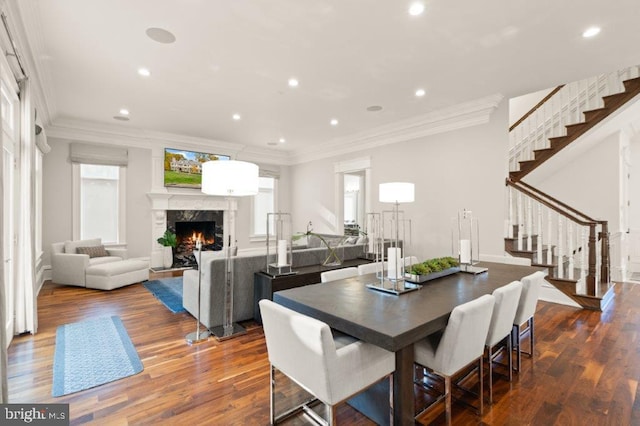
92 353
168 291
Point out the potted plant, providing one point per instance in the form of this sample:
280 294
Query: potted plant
169 241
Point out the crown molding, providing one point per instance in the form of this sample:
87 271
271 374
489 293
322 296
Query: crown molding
78 130
25 19
456 117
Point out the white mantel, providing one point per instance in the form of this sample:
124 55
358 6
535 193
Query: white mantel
163 200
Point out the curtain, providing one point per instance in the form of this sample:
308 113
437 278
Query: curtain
26 303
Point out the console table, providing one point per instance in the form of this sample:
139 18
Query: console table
264 285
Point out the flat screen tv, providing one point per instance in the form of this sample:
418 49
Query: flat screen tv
183 169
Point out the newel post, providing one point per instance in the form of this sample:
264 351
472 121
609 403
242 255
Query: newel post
591 273
604 268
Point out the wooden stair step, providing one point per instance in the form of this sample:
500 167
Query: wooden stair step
631 84
595 113
545 153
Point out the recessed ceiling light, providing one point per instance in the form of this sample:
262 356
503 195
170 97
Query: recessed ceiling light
144 72
416 9
590 32
120 118
282 140
160 35
236 117
293 82
334 122
374 108
124 111
420 93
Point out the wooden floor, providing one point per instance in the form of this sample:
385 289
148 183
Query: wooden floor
585 369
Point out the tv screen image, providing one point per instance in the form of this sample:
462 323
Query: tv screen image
183 169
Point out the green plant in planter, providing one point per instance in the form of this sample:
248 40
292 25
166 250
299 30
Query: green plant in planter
433 265
168 239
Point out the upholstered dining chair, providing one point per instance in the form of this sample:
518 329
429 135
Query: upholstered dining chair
331 369
531 285
459 345
338 274
370 268
504 311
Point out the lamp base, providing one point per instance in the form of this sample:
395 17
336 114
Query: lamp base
470 269
224 332
193 337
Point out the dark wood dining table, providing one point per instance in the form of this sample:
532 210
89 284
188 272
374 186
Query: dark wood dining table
396 322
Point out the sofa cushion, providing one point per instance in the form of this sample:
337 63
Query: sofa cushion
71 246
94 251
105 259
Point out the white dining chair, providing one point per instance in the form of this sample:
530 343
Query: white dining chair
504 311
338 274
459 345
370 268
332 370
531 285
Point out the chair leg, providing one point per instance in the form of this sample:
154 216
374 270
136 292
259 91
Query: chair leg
531 336
490 376
480 379
272 380
516 335
510 357
447 402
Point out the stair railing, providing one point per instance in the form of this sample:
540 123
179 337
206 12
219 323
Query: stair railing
572 234
563 106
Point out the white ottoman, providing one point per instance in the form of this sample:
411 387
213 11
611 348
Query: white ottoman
108 276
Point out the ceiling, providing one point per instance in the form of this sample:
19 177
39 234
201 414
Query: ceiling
237 56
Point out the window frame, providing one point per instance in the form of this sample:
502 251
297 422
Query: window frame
253 236
122 208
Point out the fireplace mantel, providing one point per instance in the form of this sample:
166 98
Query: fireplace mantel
189 201
163 201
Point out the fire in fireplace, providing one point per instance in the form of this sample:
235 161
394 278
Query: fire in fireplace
188 233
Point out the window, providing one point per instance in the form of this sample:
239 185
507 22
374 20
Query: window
100 195
263 203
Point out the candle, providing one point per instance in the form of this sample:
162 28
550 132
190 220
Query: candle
282 252
198 244
465 251
394 256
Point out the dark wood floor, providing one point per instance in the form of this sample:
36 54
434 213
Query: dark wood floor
585 369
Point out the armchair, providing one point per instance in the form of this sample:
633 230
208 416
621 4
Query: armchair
68 265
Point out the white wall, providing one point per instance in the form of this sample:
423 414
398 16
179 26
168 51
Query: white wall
519 106
590 182
460 169
57 199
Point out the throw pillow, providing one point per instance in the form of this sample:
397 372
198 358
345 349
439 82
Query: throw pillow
94 251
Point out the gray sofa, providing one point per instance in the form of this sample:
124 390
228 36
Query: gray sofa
212 287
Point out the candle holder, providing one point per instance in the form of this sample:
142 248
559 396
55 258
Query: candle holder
198 336
465 242
395 227
279 256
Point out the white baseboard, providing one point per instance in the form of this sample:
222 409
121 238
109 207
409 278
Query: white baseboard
509 260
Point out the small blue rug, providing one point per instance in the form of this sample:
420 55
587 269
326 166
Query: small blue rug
92 353
168 291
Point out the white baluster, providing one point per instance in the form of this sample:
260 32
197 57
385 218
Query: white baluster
529 224
510 202
583 254
549 234
519 219
560 256
570 248
539 229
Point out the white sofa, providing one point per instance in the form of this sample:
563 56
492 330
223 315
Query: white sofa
69 267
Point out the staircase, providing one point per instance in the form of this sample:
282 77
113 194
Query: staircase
572 245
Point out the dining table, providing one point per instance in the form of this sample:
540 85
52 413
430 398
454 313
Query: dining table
395 322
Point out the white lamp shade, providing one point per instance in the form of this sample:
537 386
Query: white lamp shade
229 178
397 192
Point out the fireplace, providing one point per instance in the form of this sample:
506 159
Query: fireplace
191 226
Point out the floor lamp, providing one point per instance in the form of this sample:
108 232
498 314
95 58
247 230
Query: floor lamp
197 336
229 179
